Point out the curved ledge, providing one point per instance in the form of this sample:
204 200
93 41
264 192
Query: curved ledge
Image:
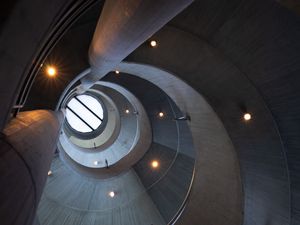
133 149
217 171
108 135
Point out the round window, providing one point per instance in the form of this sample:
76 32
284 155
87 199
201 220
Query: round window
84 113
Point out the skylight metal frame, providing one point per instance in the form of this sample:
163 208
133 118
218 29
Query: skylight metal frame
94 131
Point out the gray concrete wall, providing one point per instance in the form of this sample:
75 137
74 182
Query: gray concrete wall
172 146
227 51
27 148
70 199
26 28
217 172
131 143
248 57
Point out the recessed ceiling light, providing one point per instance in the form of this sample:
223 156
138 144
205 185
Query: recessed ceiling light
161 114
111 194
153 43
247 116
51 71
154 164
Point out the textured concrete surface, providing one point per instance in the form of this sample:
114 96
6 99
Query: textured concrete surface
137 21
21 37
247 56
155 183
72 199
237 54
216 195
255 141
27 148
130 145
121 141
172 146
175 170
105 137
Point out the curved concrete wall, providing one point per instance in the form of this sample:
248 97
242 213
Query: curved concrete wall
130 145
172 146
234 61
75 199
228 90
166 188
215 46
27 148
25 29
217 172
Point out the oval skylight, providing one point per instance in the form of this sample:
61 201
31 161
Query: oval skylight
84 113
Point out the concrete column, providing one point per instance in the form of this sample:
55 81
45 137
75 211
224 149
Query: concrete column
26 151
122 27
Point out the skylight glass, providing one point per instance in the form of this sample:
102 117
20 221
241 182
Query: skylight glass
84 113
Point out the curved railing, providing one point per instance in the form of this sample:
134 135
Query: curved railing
163 198
69 15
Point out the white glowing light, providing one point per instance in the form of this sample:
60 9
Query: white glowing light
84 113
111 194
247 116
153 43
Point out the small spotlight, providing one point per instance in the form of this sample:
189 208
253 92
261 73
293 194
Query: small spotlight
127 111
51 71
161 114
111 194
96 163
154 164
153 43
117 71
247 116
49 173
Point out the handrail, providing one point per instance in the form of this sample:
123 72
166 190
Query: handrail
184 203
180 210
68 18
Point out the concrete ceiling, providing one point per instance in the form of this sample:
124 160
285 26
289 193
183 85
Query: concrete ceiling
237 54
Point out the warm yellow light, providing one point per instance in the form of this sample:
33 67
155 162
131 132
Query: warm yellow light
51 71
161 114
49 173
247 116
154 164
117 71
153 43
127 111
111 194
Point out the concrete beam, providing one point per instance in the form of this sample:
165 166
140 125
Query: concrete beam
26 151
123 26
